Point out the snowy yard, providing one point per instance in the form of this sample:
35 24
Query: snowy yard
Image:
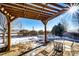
33 42
15 41
18 40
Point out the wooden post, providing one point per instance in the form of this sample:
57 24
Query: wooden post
9 29
45 28
9 35
45 33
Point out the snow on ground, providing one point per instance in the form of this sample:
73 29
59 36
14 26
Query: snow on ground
15 41
0 40
2 45
22 40
33 38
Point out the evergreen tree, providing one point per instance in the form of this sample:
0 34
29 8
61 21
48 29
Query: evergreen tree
58 30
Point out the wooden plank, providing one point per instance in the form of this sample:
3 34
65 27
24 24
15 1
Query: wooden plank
39 4
34 7
57 14
55 4
21 13
19 5
29 13
21 9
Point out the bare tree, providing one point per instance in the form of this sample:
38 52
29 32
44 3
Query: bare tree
16 26
3 25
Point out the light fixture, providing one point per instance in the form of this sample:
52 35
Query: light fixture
5 12
12 17
2 9
8 14
0 5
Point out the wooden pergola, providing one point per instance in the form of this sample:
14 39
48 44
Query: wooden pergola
38 11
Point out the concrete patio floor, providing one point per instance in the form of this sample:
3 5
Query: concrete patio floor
43 50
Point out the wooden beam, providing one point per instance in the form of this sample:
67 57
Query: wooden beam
71 3
67 4
9 35
45 6
57 14
41 12
21 9
37 8
15 11
32 15
56 5
30 7
25 8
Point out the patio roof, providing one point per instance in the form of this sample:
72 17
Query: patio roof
38 11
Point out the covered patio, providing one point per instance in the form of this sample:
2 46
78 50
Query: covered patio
38 11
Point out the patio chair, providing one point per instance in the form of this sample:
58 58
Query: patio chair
68 48
58 48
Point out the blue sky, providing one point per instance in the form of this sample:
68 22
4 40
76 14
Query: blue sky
38 25
29 23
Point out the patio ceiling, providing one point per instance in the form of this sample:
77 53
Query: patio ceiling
38 11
